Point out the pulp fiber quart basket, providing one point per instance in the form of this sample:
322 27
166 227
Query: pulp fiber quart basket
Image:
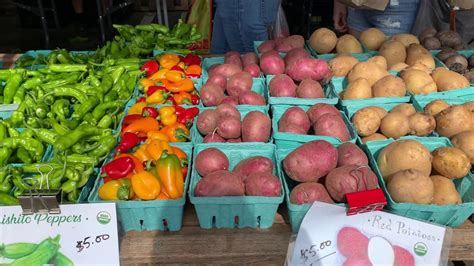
450 215
162 215
285 140
235 211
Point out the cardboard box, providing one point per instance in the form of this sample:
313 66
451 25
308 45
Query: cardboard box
367 4
462 4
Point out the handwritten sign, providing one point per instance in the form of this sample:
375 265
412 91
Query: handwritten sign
81 234
328 236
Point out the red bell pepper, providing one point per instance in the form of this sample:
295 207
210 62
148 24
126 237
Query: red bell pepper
150 111
153 89
177 68
141 100
188 115
150 67
127 120
129 140
195 99
191 59
118 168
178 110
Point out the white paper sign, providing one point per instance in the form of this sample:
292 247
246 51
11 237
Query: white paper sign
328 236
82 233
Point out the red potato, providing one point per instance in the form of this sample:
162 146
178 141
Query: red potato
294 116
262 184
271 63
311 68
212 69
279 40
239 83
227 110
211 95
231 54
213 138
351 154
219 80
295 54
292 129
232 100
290 42
251 98
249 58
266 46
352 243
311 161
256 127
220 183
226 70
207 121
233 60
256 164
229 127
348 179
403 257
253 70
210 160
306 193
309 89
282 86
333 126
237 140
320 109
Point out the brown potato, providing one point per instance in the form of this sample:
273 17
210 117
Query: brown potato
323 40
420 66
417 54
368 70
405 38
372 38
405 108
451 162
404 154
373 137
421 124
348 44
366 121
435 107
411 186
465 142
445 192
453 120
398 67
395 125
382 112
357 89
394 52
449 80
418 81
379 60
389 86
341 65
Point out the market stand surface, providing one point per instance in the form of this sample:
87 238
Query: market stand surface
193 245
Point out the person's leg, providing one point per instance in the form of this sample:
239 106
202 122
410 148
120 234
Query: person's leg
227 18
356 21
218 40
398 17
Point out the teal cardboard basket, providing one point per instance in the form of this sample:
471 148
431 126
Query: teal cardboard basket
208 62
162 215
450 215
361 57
197 138
331 97
287 140
419 102
236 211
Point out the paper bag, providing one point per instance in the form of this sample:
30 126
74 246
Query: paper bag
462 4
366 4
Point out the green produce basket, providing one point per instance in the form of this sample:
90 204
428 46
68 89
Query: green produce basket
162 215
235 211
450 215
338 84
258 86
6 110
243 109
287 140
208 62
419 102
331 97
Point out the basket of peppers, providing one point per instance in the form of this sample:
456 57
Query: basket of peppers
148 190
170 123
171 79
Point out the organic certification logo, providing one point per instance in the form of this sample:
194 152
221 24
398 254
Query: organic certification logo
420 249
103 217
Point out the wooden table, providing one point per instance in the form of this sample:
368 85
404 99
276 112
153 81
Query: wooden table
193 245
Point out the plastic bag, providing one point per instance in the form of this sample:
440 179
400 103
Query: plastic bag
200 14
280 26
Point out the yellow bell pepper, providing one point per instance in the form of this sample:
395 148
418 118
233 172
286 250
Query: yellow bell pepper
156 147
156 135
160 74
137 108
168 60
145 83
146 186
168 115
175 75
119 189
158 97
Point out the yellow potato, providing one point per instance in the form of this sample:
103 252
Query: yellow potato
411 186
372 38
389 86
453 120
368 70
418 81
451 162
395 125
373 137
382 112
449 80
341 65
366 121
435 107
398 67
348 44
405 108
445 192
357 89
421 124
323 40
394 52
379 60
420 66
406 39
465 142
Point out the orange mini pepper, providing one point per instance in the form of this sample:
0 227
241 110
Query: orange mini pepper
186 85
156 147
156 135
138 164
168 60
141 154
146 82
119 189
142 126
158 97
177 132
145 185
182 98
168 115
175 75
180 153
163 196
171 177
159 75
194 70
137 108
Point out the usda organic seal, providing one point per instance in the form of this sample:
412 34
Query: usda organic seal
103 217
420 249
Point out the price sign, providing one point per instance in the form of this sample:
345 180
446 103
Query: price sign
328 236
81 234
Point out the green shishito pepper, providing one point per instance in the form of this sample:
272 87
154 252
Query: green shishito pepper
61 68
68 92
30 144
64 142
6 199
84 108
12 86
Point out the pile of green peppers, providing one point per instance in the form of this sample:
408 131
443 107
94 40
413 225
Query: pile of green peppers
57 56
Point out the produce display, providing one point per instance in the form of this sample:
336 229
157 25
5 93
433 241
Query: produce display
462 63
